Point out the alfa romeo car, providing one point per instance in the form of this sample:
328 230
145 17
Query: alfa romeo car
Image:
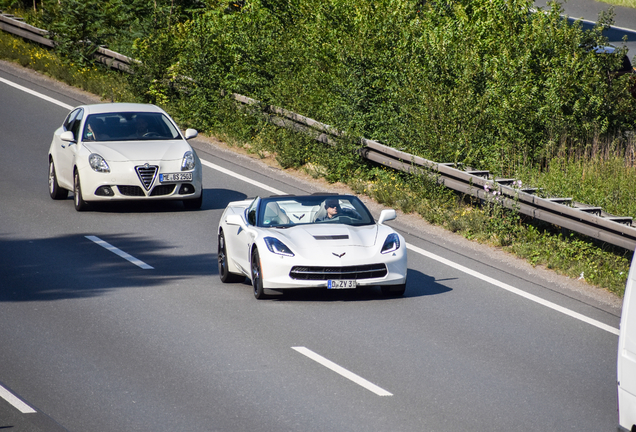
312 241
123 151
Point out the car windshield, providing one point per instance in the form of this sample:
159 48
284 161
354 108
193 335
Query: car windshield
129 126
288 211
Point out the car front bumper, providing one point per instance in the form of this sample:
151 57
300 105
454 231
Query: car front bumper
276 269
123 183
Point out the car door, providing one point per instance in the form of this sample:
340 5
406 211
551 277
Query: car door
65 152
241 242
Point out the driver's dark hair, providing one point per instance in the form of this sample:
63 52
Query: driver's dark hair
331 202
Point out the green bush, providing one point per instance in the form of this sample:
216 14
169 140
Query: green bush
485 83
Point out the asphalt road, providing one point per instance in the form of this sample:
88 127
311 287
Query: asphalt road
588 12
92 342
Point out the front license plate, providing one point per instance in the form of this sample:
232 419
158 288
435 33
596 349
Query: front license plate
175 177
341 284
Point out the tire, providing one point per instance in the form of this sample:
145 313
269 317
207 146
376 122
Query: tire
393 290
193 204
257 276
224 273
56 192
80 204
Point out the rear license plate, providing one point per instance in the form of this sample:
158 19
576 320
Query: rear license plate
341 284
175 177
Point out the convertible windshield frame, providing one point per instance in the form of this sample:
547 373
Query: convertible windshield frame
129 126
289 211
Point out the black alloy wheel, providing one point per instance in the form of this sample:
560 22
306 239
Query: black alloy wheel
224 272
257 276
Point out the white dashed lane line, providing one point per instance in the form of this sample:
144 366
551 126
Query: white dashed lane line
120 252
17 403
342 371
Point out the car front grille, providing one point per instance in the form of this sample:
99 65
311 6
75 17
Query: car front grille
162 190
131 190
147 174
369 271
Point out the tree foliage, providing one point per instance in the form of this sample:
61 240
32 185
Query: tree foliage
482 82
488 83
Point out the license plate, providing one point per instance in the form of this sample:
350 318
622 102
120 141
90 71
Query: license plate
175 177
341 284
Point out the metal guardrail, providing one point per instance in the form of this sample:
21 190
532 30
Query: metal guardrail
563 212
15 25
578 217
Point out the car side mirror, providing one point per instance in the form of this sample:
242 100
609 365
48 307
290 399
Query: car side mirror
68 137
191 133
235 219
387 215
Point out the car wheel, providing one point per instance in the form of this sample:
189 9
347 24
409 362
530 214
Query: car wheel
257 276
56 192
80 204
224 273
393 290
193 204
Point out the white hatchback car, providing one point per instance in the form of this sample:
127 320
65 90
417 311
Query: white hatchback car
310 241
123 151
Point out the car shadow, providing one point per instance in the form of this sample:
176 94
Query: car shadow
418 285
213 199
72 266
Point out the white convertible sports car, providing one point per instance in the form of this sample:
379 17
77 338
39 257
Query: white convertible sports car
331 241
123 151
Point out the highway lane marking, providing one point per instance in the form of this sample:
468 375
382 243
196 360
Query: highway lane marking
34 93
420 251
243 178
17 403
120 252
342 371
514 290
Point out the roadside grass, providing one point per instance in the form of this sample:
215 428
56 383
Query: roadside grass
107 84
607 182
624 3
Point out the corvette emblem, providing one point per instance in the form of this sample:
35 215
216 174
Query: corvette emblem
299 217
339 256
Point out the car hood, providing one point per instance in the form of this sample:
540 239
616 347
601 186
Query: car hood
139 151
307 237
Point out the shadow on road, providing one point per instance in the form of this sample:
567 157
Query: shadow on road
73 266
418 285
213 199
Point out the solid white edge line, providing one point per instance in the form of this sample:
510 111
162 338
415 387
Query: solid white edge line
34 93
120 252
342 371
17 403
240 177
466 270
514 290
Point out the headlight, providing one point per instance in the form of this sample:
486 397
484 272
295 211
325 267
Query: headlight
278 247
392 243
188 162
98 163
